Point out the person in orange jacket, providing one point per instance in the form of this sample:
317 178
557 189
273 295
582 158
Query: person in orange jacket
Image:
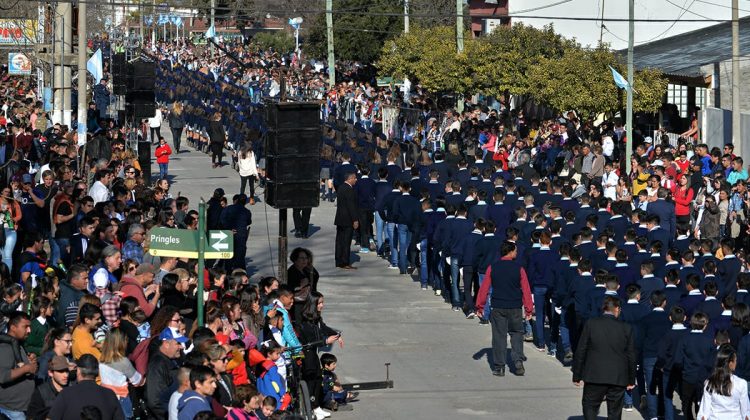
162 157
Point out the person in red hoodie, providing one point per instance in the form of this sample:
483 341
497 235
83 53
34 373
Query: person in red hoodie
682 195
162 157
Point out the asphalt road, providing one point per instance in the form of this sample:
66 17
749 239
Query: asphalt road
438 359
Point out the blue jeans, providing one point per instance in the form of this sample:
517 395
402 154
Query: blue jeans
667 392
163 170
392 240
380 233
455 274
59 248
565 329
540 293
10 242
651 396
404 238
487 307
13 415
127 407
435 269
424 264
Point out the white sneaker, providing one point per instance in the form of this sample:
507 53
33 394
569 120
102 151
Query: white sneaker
321 414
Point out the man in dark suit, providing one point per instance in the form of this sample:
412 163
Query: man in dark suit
346 221
79 242
605 361
665 210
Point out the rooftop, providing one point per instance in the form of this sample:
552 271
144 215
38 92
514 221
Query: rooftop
684 54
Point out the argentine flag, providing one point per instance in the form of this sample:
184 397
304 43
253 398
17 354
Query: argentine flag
211 32
619 80
94 65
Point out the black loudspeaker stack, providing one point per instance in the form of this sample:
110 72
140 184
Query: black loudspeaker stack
292 150
119 74
140 97
144 159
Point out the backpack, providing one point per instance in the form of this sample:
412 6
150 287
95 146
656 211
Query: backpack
140 356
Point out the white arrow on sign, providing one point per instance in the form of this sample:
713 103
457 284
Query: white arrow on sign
219 237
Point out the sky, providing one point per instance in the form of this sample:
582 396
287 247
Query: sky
616 33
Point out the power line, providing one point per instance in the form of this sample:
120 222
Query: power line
424 15
686 10
721 5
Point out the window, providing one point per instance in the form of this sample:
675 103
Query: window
677 95
700 97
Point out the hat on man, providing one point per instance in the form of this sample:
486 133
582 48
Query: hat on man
59 363
658 162
168 334
648 140
147 268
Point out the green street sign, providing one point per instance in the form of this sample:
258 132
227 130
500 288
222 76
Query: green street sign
219 244
182 243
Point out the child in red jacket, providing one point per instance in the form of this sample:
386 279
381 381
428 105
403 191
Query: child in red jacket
162 157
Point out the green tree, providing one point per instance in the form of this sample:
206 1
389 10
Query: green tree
513 51
280 41
358 35
582 80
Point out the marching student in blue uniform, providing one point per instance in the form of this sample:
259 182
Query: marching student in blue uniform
665 359
672 290
542 278
648 282
743 289
709 274
694 296
390 225
694 358
435 187
653 328
580 285
606 285
479 210
487 251
365 188
500 213
688 267
563 271
433 258
729 267
627 274
460 227
710 305
406 216
672 263
441 250
382 189
587 247
468 265
633 311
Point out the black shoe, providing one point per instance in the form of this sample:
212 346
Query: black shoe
483 322
297 234
520 370
568 357
499 371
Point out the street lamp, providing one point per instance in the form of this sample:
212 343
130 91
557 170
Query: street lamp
295 23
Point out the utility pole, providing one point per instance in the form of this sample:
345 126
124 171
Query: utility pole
460 25
82 72
140 28
736 112
406 16
213 15
61 89
601 28
629 121
460 45
329 35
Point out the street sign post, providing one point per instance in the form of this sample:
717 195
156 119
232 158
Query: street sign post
183 243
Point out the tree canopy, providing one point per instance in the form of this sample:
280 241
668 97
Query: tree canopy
519 60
